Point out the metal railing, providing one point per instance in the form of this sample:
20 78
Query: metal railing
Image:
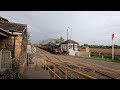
46 65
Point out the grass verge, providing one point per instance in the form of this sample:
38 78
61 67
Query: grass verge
104 59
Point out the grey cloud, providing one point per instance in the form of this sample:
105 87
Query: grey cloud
91 27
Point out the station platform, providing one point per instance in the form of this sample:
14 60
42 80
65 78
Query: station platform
36 74
34 71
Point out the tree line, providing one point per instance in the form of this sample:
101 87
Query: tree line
99 46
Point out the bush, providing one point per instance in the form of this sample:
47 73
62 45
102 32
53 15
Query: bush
11 73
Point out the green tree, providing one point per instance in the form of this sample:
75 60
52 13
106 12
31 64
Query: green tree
60 40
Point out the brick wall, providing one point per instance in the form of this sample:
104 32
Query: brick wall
20 49
6 43
23 53
18 42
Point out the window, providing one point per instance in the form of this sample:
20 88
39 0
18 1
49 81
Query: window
5 58
70 46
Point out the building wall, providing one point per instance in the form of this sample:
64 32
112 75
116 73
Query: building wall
69 48
76 47
64 46
8 43
18 43
5 43
23 53
20 49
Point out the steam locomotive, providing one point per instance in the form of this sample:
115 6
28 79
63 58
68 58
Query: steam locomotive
55 49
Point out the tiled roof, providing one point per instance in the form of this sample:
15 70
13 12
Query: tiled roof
12 26
69 41
3 19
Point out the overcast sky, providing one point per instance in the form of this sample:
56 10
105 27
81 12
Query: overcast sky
88 27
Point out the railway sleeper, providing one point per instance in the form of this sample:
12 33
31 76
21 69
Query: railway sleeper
87 69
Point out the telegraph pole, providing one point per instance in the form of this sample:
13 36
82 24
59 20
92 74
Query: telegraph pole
68 43
71 34
67 34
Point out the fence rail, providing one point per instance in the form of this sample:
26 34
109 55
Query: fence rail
104 54
47 63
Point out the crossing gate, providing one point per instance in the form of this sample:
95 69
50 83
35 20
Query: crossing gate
5 58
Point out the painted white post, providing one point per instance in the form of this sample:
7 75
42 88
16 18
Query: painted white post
112 46
112 49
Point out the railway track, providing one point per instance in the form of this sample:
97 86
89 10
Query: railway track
89 71
81 68
97 68
70 76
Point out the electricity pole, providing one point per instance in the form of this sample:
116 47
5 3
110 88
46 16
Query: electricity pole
67 34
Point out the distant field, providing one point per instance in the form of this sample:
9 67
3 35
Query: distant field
105 51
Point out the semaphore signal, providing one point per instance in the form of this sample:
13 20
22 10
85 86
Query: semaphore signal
113 36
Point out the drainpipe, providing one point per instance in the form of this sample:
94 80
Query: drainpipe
13 49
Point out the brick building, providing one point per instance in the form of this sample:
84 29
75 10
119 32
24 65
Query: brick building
13 44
